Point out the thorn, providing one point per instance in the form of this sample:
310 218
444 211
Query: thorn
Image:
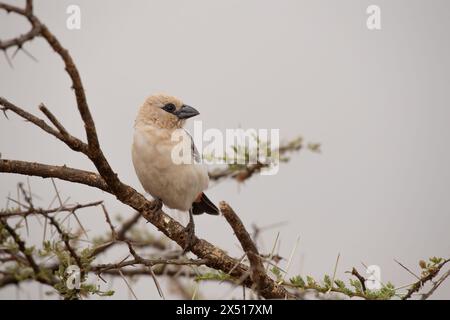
101 278
15 52
29 55
4 113
8 59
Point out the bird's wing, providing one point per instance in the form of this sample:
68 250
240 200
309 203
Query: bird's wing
194 152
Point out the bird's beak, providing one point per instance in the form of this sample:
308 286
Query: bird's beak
186 112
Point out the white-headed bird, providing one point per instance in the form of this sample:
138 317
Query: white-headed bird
174 184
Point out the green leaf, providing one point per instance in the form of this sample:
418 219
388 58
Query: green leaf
298 281
310 280
277 272
327 281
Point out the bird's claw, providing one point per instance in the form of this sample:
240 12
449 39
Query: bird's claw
156 205
190 238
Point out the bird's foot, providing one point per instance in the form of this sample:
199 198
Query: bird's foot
156 205
190 236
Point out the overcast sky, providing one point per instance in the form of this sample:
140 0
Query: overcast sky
376 100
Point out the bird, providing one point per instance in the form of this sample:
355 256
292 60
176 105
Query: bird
175 184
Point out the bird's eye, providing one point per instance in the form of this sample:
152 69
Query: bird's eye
170 107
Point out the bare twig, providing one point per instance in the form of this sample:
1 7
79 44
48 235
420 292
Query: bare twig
361 279
71 141
47 171
28 36
108 220
258 273
40 211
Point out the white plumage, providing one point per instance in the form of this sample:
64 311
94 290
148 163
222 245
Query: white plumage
165 158
177 185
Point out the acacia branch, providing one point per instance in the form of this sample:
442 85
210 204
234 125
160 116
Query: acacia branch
38 274
429 276
258 273
21 244
146 272
108 179
101 268
361 279
119 236
40 29
35 30
243 172
436 285
72 208
48 171
216 257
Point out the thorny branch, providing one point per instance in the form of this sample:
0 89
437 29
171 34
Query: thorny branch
428 274
436 285
361 279
258 273
32 211
220 266
35 30
107 179
243 172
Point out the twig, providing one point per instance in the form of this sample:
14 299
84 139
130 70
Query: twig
107 179
436 285
47 171
39 276
428 277
258 274
40 211
21 244
246 171
108 220
361 279
74 143
65 237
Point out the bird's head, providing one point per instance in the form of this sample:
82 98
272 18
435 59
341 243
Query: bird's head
165 112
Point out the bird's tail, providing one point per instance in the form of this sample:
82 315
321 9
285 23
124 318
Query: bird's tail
204 205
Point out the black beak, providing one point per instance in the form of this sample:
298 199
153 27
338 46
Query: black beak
186 112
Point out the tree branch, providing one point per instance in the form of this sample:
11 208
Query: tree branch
73 208
436 285
428 276
108 179
39 276
47 171
258 273
30 35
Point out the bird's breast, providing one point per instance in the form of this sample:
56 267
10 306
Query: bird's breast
177 185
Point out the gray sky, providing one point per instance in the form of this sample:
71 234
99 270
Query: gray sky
376 100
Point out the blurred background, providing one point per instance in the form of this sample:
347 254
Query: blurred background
377 101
